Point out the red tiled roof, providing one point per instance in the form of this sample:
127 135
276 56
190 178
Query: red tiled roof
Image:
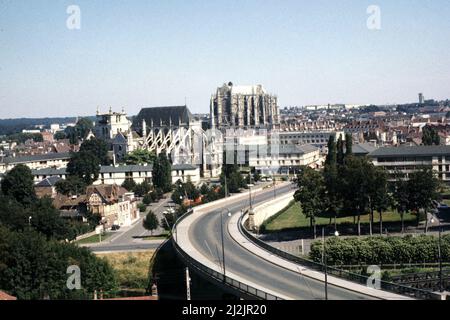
5 296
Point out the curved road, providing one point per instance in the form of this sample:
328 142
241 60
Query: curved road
206 238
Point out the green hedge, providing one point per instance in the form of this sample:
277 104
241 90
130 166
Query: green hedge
381 250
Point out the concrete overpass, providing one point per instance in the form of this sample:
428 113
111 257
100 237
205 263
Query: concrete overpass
251 271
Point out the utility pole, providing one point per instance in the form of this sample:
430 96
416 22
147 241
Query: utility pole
250 192
274 189
188 285
226 188
441 282
223 247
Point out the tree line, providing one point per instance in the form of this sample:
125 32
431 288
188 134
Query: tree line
352 186
34 248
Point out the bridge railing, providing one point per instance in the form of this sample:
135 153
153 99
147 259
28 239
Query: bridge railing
218 276
339 273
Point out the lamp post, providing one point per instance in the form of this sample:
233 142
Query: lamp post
441 283
223 246
250 192
274 187
324 259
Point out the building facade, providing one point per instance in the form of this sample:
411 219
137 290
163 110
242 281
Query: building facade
315 138
407 159
114 204
243 107
119 174
284 159
108 125
35 162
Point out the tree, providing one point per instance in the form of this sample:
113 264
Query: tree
204 189
355 177
12 214
148 199
422 190
348 145
150 222
230 177
98 148
310 194
331 155
142 189
162 173
340 151
72 185
170 218
400 195
142 207
129 184
71 134
185 190
256 176
60 135
332 198
31 267
379 198
139 156
83 127
19 184
47 220
85 166
430 136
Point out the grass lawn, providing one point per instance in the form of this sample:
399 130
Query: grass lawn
95 238
130 268
292 217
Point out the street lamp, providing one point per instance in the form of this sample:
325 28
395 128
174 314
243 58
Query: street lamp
274 187
441 284
250 192
223 246
324 259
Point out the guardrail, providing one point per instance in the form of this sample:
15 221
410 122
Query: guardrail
230 282
343 274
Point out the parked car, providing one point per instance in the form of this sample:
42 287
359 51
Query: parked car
115 227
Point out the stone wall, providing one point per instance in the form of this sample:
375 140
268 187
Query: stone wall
269 209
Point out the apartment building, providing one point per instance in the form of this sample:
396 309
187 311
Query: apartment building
118 174
407 159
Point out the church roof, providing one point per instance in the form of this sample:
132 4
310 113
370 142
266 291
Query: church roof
163 116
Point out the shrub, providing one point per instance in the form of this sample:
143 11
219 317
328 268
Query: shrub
148 199
142 207
379 250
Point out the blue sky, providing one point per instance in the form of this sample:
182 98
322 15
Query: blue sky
138 53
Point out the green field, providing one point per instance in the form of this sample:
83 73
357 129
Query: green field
95 238
130 268
291 218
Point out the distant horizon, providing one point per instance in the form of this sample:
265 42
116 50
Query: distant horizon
62 58
207 112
